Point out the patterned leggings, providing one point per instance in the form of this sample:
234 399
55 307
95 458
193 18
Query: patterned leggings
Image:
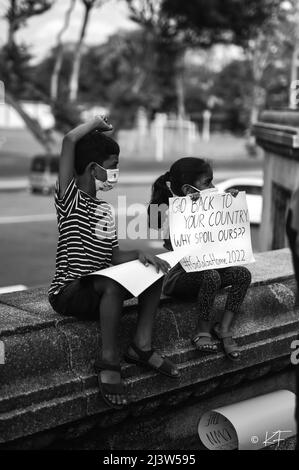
203 286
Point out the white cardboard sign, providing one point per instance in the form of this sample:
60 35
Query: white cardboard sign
135 276
214 230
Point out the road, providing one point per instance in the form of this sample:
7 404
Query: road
28 232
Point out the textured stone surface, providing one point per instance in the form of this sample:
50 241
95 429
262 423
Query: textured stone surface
271 265
48 380
174 428
13 319
34 301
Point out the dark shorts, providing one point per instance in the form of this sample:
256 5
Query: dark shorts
79 299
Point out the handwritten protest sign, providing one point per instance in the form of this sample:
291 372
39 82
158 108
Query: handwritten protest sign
214 228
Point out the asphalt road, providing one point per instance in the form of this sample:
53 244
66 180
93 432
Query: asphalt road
28 232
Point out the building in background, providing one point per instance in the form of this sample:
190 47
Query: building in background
277 132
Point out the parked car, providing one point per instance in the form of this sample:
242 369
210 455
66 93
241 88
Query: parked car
254 190
43 173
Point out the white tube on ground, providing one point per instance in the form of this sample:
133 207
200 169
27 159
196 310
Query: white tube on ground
251 424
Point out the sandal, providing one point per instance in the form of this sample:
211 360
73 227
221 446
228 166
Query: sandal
110 388
230 347
204 347
166 368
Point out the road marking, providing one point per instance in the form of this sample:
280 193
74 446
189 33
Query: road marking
16 288
17 219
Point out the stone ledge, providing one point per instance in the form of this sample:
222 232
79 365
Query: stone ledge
278 132
48 380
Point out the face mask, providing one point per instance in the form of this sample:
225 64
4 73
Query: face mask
212 190
111 181
169 187
195 189
208 190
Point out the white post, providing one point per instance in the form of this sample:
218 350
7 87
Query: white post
2 92
206 125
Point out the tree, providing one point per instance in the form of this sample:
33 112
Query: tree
168 46
74 77
272 43
14 62
121 75
59 52
218 21
18 12
233 85
261 27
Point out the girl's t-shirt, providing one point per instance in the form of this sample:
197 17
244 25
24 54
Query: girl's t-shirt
87 235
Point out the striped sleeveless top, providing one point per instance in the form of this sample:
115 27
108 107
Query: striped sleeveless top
87 235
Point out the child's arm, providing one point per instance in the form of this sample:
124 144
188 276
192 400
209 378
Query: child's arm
120 256
66 161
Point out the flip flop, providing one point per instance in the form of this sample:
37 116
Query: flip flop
204 347
144 357
229 345
110 388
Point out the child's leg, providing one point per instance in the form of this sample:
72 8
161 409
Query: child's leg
148 303
203 286
110 308
239 278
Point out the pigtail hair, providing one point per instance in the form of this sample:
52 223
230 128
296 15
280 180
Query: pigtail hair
160 195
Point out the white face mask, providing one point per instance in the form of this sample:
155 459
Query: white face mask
195 189
111 181
169 187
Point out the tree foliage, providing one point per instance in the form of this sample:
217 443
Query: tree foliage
127 72
19 11
219 21
124 73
